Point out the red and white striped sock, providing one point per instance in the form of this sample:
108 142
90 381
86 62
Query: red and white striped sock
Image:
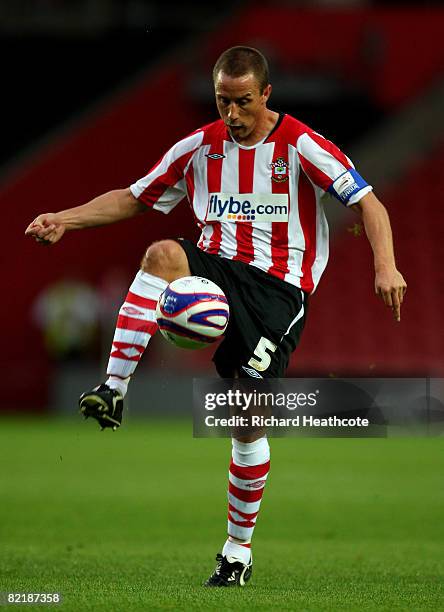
136 324
249 467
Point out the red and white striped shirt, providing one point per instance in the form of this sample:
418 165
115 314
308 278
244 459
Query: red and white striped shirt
281 179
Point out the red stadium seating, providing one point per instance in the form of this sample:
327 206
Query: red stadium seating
349 330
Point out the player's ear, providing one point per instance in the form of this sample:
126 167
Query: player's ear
266 93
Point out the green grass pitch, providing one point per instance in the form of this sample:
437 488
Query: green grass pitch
132 520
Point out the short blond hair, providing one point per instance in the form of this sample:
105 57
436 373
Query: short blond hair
238 61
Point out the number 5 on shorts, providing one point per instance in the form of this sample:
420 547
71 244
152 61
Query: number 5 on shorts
262 359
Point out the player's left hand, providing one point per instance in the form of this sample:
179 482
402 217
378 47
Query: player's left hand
391 286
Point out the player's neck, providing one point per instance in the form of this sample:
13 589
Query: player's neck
261 130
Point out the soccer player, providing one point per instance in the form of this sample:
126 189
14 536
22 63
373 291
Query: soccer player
254 179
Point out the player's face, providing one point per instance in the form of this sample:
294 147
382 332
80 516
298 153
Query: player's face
241 103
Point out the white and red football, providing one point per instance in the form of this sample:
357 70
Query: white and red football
192 312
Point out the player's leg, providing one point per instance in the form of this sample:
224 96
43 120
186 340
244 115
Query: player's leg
249 467
247 476
163 262
268 324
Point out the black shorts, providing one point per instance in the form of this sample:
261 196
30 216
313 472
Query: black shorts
267 316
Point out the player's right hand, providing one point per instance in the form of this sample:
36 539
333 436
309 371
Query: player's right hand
46 228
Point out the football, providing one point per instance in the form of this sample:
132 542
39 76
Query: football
192 312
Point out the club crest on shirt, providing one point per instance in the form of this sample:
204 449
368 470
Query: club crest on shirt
279 170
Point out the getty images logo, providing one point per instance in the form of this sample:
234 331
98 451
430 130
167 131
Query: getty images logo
265 207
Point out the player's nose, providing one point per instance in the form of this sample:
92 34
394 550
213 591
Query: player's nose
233 114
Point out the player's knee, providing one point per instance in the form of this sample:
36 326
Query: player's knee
164 258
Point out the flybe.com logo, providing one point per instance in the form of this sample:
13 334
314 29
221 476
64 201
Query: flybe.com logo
258 207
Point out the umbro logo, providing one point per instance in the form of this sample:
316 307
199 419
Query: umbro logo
214 155
131 311
258 484
251 372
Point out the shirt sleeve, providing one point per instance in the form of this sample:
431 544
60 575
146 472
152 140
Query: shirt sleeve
328 168
164 186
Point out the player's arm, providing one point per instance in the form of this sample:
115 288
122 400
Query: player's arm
389 282
107 208
331 170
